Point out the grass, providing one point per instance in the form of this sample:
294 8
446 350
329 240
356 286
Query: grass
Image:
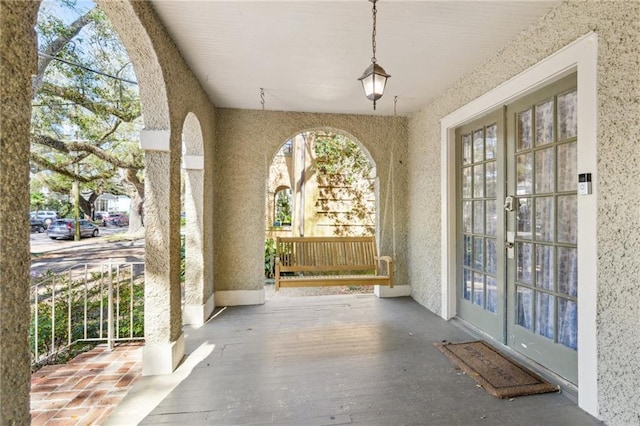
124 236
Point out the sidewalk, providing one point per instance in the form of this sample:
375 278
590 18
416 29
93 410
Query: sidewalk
87 389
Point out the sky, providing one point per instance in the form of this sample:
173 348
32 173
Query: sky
66 13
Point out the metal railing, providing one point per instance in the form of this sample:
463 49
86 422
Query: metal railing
88 302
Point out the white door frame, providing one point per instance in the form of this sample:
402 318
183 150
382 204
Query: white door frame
580 56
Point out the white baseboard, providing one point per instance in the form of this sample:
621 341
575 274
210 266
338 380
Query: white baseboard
162 358
240 297
396 291
197 314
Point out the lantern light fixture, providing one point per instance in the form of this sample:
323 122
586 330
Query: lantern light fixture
374 78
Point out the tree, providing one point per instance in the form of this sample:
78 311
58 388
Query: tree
37 200
86 108
283 206
344 178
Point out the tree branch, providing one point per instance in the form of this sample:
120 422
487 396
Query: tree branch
79 157
132 178
47 141
99 108
48 165
85 147
53 48
104 137
101 154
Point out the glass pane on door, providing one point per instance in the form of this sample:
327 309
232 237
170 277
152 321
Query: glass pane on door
543 273
481 170
480 229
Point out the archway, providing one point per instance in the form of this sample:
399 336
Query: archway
198 295
164 340
241 173
330 183
282 208
19 47
332 178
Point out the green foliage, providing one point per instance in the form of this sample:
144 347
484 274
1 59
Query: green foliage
64 209
283 206
340 158
269 258
76 105
182 259
37 200
344 177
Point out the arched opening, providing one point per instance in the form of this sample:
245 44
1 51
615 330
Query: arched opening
86 169
87 106
283 204
164 339
197 298
19 42
86 163
321 182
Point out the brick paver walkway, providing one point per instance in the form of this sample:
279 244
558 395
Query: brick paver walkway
85 390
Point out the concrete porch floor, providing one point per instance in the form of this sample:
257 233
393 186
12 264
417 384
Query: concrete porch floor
329 360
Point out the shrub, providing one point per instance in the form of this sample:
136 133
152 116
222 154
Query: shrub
269 258
182 259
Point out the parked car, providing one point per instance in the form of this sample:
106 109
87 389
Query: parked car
65 228
46 216
36 224
117 219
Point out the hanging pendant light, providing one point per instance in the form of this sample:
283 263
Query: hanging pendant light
374 78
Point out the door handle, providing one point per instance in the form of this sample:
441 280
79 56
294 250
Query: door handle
509 203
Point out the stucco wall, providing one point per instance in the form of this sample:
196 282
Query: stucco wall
247 140
618 27
169 92
17 63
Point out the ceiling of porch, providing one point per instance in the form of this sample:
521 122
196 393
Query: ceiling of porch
307 55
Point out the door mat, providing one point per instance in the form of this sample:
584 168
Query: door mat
498 375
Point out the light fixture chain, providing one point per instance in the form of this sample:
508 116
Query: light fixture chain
262 98
373 34
374 77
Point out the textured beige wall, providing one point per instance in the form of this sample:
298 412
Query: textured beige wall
617 24
17 63
247 140
169 92
235 173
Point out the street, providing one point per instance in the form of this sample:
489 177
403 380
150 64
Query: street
41 243
58 255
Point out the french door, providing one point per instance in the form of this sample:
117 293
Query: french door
542 226
481 291
517 222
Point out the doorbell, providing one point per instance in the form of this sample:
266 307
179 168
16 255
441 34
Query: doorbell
584 183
